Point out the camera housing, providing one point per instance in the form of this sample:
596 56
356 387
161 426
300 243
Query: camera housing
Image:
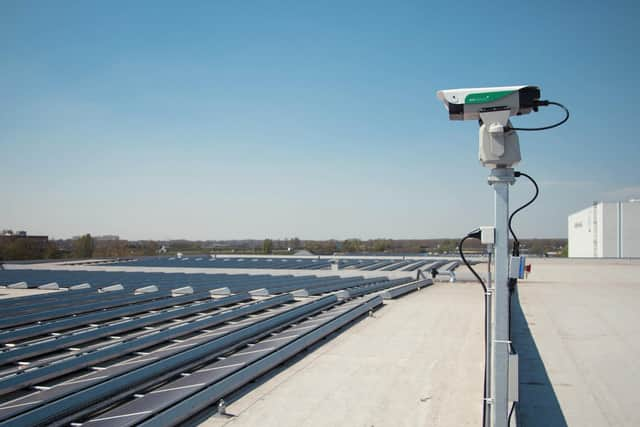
468 104
498 146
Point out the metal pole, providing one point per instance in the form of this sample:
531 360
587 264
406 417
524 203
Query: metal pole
488 344
500 178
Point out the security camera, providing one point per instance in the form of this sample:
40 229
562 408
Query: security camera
467 104
492 106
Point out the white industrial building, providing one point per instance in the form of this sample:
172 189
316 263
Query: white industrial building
606 230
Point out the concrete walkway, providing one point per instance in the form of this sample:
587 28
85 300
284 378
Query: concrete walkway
418 362
580 344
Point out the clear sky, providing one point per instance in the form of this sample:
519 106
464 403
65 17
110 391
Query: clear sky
218 120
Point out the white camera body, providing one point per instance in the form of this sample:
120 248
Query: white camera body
467 104
499 145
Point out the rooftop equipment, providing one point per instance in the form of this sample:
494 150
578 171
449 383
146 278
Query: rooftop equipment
499 150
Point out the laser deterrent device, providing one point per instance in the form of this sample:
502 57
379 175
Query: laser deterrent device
499 150
499 145
467 104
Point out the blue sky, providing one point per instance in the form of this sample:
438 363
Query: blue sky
218 120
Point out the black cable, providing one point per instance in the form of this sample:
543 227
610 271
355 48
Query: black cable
464 259
516 252
476 234
516 249
513 406
555 125
516 242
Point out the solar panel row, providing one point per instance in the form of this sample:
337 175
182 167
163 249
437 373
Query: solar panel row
71 354
206 261
174 401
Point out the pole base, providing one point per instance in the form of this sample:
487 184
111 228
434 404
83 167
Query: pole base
501 175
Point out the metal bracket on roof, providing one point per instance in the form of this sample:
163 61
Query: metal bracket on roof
19 285
262 292
219 292
146 290
342 295
186 290
300 293
222 408
111 288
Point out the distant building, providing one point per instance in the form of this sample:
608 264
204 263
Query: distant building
34 242
108 237
605 230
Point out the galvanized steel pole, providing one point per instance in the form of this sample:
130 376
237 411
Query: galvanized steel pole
488 334
500 179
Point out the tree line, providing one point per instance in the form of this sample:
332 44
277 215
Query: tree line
87 247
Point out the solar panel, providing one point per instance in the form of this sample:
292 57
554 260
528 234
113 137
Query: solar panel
154 371
74 353
172 393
